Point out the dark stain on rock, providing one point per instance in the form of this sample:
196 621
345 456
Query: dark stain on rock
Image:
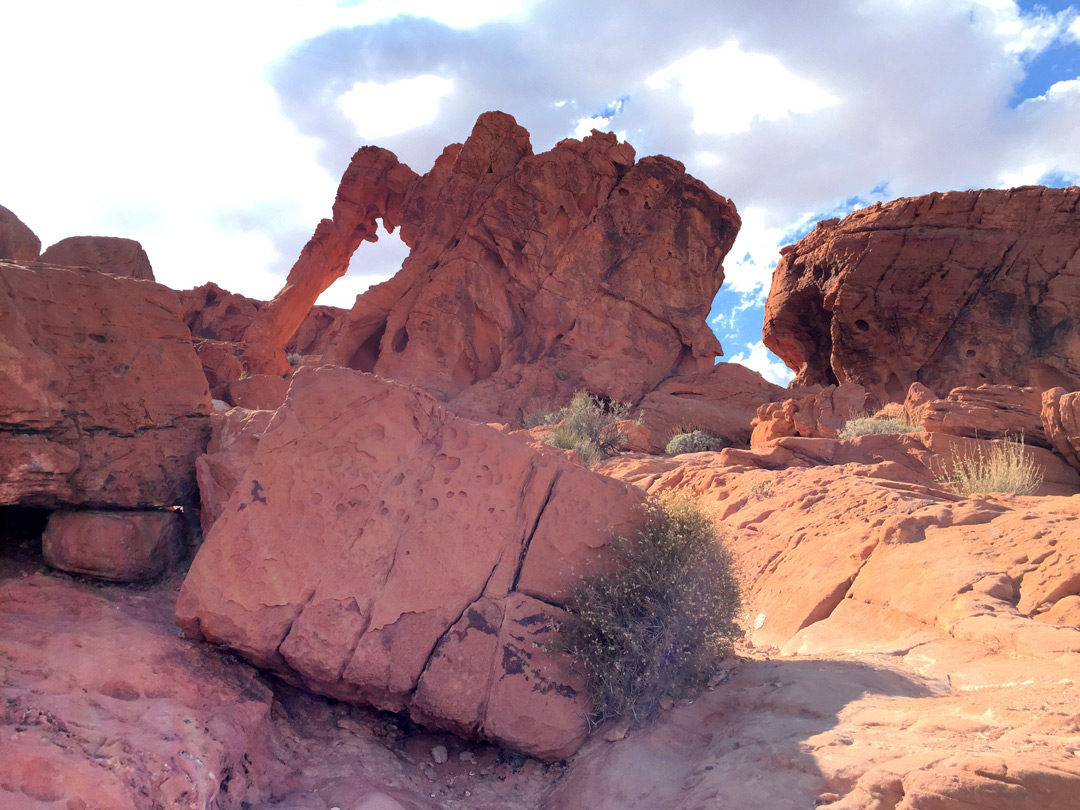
256 491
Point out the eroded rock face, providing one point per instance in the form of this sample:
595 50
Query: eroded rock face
106 254
370 524
234 436
1060 414
529 276
373 189
17 241
721 401
102 400
954 289
818 415
989 412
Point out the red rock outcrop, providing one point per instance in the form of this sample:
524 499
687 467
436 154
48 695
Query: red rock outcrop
1060 415
432 523
218 320
122 546
373 188
106 254
17 242
815 415
954 289
988 412
721 401
529 276
102 400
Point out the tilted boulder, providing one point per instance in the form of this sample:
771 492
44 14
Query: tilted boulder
102 400
954 289
374 536
106 254
17 241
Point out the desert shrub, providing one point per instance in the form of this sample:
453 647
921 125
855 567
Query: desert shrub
880 423
1003 468
693 441
659 622
588 426
294 359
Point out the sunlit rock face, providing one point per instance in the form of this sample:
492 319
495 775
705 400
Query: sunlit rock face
953 289
529 276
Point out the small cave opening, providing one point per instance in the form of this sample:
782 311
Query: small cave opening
401 340
21 529
862 325
367 354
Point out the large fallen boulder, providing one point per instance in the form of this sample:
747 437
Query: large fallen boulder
102 399
954 289
379 550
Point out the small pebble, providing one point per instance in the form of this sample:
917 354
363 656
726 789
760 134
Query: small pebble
466 756
439 754
828 798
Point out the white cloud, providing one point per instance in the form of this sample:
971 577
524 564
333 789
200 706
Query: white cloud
729 89
764 362
382 110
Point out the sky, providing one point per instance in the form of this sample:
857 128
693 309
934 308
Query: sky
215 133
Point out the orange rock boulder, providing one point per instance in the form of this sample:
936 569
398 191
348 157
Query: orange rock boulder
106 254
102 400
954 289
379 550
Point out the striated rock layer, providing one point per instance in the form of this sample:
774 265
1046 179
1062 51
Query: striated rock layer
379 550
529 276
102 400
954 289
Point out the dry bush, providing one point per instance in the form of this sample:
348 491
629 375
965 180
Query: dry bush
1005 467
884 421
693 441
588 426
661 620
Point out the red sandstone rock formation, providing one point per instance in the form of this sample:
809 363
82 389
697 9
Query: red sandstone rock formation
383 524
989 412
529 276
17 242
122 546
721 401
106 254
1060 416
815 415
955 289
102 401
373 188
235 435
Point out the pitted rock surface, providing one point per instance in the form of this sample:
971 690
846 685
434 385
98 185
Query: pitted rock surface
954 289
370 523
